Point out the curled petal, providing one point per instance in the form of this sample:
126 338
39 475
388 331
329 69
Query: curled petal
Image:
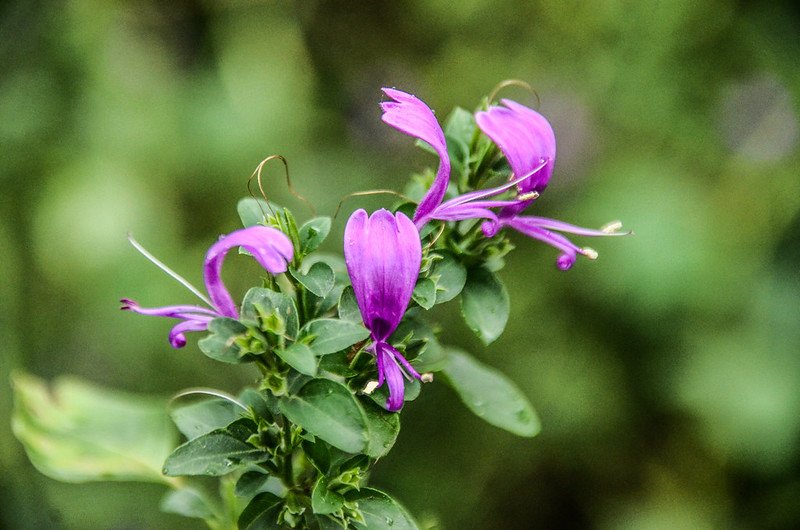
526 139
173 311
269 246
389 371
531 227
410 115
176 336
383 255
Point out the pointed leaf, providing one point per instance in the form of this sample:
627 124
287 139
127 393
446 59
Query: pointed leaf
490 394
262 513
313 233
200 418
382 428
381 511
300 357
332 335
319 279
323 500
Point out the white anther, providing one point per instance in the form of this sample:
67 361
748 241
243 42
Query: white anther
370 388
427 377
528 196
611 227
589 252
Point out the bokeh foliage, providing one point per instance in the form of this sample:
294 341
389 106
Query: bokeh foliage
666 374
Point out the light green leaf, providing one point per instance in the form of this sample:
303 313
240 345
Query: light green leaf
319 279
348 307
252 211
323 500
329 410
200 418
449 274
381 511
485 304
187 502
262 513
216 453
332 335
300 357
77 432
260 304
490 394
221 345
425 293
313 233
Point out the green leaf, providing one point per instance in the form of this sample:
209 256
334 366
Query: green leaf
412 392
216 453
460 125
490 394
348 306
204 416
323 500
300 357
262 513
78 432
424 350
449 274
331 335
187 502
221 344
319 279
382 428
254 482
252 211
381 511
313 233
485 304
329 410
259 304
425 293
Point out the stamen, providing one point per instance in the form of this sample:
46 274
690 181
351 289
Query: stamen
589 252
612 227
183 281
528 196
427 377
370 388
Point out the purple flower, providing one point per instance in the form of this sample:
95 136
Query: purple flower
527 140
269 246
383 254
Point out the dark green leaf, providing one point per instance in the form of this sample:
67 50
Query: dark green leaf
425 293
424 350
449 275
485 304
329 410
253 482
313 233
204 416
348 307
490 394
263 403
262 513
381 511
323 500
319 279
332 335
78 433
216 453
300 357
260 303
187 502
221 344
382 427
412 391
337 363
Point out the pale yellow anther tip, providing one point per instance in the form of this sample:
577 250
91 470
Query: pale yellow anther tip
528 196
589 252
370 388
612 227
427 377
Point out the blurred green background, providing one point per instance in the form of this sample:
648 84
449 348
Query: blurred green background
666 374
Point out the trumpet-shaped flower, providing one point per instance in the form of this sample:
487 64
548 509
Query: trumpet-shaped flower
383 254
269 246
527 140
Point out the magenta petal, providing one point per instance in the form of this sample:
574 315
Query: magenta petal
176 336
383 255
391 373
269 246
410 115
526 139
